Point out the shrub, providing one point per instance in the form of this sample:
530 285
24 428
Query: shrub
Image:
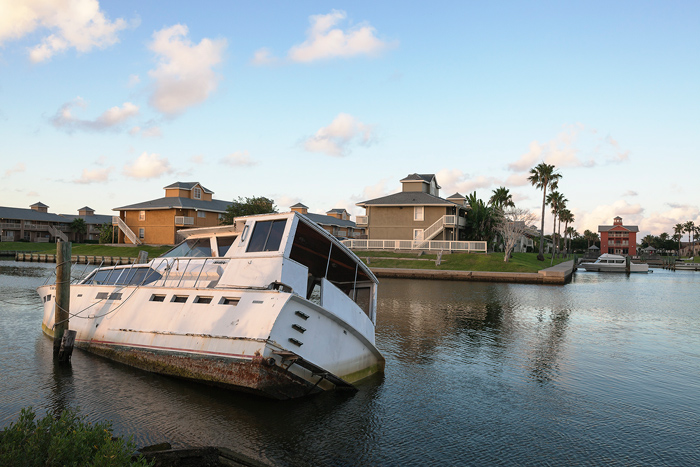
64 439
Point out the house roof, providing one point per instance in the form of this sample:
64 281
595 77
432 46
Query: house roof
86 208
30 215
456 196
299 205
329 220
426 178
172 202
409 198
39 205
605 228
96 219
338 210
188 186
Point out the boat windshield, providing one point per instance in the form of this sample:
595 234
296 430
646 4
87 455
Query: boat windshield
194 248
123 276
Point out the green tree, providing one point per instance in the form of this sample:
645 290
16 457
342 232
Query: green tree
502 198
481 219
678 231
567 217
543 176
107 233
248 207
557 201
689 229
79 227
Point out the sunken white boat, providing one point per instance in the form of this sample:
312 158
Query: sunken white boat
272 305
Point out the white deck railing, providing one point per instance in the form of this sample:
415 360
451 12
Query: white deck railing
361 220
434 245
181 220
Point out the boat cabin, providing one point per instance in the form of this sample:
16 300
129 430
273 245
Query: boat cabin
283 251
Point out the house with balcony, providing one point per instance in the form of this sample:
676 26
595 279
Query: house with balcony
416 213
185 205
35 224
618 239
93 222
336 221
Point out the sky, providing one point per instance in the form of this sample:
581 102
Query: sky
332 103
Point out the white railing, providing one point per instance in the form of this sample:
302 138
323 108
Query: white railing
116 220
434 229
10 225
435 245
362 220
57 233
181 220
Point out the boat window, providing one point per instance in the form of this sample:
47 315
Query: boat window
123 276
193 248
223 244
202 299
230 301
267 235
157 298
179 298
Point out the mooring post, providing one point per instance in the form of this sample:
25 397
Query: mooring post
62 338
627 264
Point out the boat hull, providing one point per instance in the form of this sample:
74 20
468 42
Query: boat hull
245 347
593 267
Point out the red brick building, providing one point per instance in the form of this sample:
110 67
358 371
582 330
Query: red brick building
618 239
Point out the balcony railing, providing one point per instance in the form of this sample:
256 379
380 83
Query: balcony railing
10 225
434 245
362 220
180 220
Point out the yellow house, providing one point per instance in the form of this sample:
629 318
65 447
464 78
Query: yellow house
336 222
417 212
185 205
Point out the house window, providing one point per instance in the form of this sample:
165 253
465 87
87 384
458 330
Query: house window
418 234
142 233
418 213
201 214
142 215
197 193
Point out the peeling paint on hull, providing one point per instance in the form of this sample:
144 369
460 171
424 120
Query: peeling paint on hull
254 375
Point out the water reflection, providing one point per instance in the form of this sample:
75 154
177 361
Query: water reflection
604 371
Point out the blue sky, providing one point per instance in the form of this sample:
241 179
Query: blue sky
329 104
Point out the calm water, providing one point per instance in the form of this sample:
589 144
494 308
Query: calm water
603 371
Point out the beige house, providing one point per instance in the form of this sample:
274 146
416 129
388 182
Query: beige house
336 222
185 205
417 212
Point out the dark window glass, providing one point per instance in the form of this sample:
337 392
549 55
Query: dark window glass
198 248
224 243
267 235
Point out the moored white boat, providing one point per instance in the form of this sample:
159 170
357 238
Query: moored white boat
613 263
272 305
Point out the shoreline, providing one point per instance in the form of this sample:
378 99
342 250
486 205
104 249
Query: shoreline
559 274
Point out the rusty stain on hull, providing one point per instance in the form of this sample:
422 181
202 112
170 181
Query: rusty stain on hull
256 375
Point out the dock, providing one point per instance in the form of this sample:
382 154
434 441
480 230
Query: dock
79 259
555 275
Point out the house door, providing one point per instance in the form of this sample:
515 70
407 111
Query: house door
417 235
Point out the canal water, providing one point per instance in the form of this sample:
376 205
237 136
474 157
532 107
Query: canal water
602 371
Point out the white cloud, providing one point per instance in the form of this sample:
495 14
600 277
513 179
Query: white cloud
18 168
632 214
263 56
238 159
78 24
284 202
630 193
455 181
133 80
94 176
184 75
576 146
336 138
323 41
198 159
148 166
110 119
659 222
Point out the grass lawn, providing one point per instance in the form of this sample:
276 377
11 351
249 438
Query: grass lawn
520 262
86 249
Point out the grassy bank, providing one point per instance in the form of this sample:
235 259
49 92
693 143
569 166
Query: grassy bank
520 262
86 249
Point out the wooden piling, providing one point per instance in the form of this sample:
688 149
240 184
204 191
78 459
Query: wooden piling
63 266
627 264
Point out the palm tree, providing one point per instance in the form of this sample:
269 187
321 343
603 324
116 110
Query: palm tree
678 230
557 201
571 232
568 218
690 228
78 226
543 176
588 235
502 198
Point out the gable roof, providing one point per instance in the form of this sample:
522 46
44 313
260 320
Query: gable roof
94 219
338 210
409 198
30 215
187 186
299 205
606 228
172 202
425 178
39 205
330 220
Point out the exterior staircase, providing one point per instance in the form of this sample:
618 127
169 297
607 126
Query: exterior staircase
116 220
57 233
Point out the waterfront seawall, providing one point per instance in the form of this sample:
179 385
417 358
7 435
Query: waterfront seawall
555 275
